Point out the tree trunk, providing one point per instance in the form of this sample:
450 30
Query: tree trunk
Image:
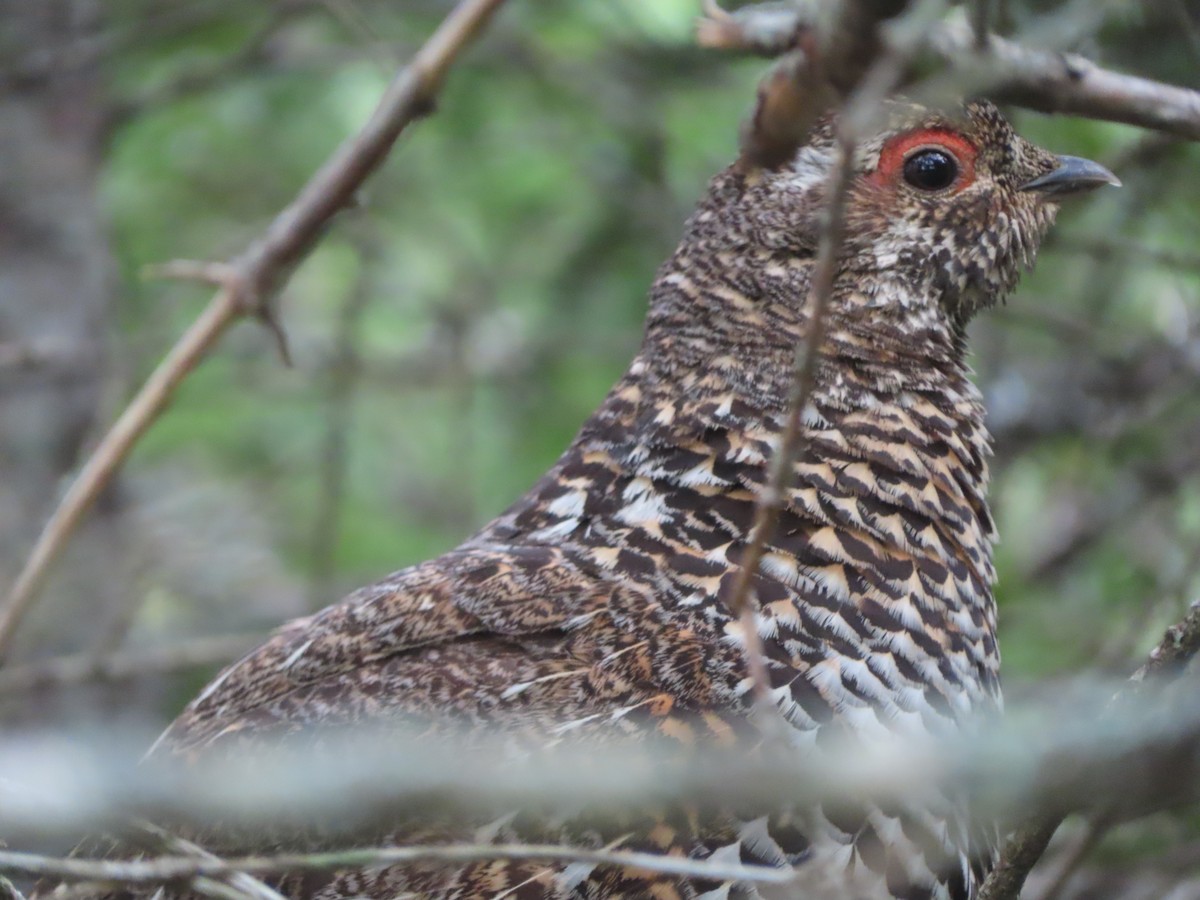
55 294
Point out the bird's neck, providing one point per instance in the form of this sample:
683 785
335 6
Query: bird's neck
894 422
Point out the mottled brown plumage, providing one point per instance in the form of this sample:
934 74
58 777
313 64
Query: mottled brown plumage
598 602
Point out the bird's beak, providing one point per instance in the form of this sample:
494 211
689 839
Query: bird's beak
1073 176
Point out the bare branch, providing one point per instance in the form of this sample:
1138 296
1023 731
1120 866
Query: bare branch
826 62
166 869
1042 80
1068 83
768 29
1021 852
216 274
259 274
100 467
1179 645
242 884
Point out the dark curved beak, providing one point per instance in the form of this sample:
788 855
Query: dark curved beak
1073 176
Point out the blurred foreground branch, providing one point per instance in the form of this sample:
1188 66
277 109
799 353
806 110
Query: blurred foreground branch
8 891
72 784
1042 80
1028 842
247 284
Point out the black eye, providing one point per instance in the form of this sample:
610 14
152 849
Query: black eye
930 170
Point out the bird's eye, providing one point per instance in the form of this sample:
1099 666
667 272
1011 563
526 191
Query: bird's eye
931 169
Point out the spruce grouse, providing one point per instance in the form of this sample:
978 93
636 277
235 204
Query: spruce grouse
599 601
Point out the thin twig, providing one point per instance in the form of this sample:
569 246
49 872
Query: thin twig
259 274
1068 83
66 671
241 883
1027 844
857 114
100 467
167 869
770 501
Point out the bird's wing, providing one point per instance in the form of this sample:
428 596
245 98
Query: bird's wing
509 637
515 636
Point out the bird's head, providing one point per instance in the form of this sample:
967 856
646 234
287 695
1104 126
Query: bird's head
943 211
949 205
962 200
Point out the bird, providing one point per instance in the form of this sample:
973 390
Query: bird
600 600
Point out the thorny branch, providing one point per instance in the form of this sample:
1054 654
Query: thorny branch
247 285
1043 80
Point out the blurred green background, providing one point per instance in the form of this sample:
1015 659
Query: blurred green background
452 331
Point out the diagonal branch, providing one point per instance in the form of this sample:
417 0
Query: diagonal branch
247 285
